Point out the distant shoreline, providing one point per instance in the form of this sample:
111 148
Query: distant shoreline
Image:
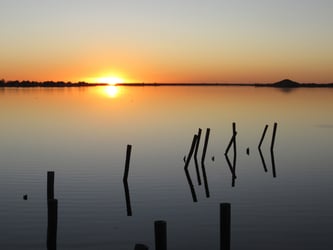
282 84
302 85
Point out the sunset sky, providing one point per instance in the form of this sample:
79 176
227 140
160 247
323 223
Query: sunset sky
167 41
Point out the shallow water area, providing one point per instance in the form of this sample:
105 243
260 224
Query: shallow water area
82 134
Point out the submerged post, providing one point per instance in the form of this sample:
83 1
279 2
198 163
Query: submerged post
263 136
272 150
127 163
188 158
234 132
196 156
225 226
160 228
52 221
50 185
273 136
205 145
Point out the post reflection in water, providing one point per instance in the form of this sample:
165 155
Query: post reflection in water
262 160
128 199
190 183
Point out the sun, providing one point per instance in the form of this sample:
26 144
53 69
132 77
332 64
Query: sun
112 80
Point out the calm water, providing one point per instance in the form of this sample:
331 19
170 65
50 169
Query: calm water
82 133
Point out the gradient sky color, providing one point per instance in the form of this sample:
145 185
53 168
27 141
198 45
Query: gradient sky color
167 41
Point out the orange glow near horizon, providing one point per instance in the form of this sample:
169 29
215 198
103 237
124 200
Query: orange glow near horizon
112 80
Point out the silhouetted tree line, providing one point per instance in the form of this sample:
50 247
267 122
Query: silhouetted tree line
16 83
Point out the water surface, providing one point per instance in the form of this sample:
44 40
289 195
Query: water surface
82 133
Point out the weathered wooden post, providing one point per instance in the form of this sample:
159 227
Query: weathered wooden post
52 221
160 235
188 158
127 163
225 226
234 132
272 150
196 156
204 151
203 167
273 136
125 177
263 136
50 185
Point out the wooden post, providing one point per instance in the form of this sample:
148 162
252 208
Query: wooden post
273 136
52 220
160 235
272 150
233 138
50 185
196 156
127 163
234 132
188 158
205 145
225 226
263 136
140 247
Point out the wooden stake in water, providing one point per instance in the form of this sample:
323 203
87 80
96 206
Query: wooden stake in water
196 156
188 158
203 167
273 136
263 136
160 235
50 185
225 226
272 150
127 163
234 132
204 151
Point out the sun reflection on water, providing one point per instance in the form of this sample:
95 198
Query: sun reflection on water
111 91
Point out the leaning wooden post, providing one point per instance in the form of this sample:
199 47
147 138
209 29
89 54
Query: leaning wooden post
188 158
225 226
127 163
140 247
273 136
205 145
234 132
50 185
196 156
272 150
160 235
263 136
52 221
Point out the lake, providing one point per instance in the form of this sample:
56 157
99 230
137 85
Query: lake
82 133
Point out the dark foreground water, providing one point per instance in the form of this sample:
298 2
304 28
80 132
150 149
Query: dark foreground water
82 133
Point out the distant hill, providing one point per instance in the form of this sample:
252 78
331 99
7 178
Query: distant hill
286 83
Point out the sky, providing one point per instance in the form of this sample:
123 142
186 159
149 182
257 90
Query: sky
237 41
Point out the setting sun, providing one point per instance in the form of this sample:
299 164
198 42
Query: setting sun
112 80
